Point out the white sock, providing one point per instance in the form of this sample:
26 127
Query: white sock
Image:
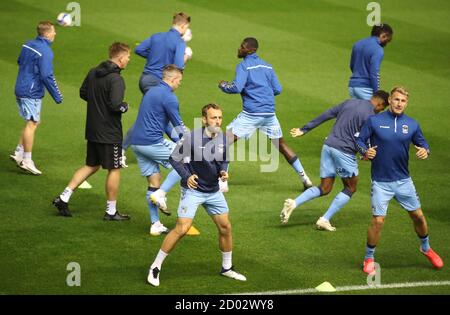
111 207
19 149
226 260
27 156
159 259
66 194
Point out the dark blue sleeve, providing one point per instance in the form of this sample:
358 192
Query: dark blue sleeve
47 77
179 54
143 49
364 136
374 71
181 156
173 112
325 116
238 83
418 139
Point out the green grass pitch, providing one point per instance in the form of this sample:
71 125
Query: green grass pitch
309 44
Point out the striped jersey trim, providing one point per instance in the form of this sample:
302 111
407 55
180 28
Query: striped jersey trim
37 52
259 66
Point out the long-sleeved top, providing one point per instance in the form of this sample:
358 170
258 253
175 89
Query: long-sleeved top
257 83
365 63
162 49
36 71
103 89
159 106
197 153
392 135
350 117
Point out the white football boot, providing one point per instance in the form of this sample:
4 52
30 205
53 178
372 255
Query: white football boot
288 207
28 165
159 199
230 273
324 224
158 228
153 276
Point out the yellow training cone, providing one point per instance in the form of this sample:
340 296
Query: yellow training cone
325 287
85 185
193 231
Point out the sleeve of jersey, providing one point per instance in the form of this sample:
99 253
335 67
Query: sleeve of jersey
226 157
83 89
276 86
143 49
239 82
418 139
116 94
363 137
374 75
325 116
47 77
181 156
179 55
173 112
352 59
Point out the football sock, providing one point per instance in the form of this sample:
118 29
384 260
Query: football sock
425 243
27 156
341 199
171 179
370 252
66 194
19 149
297 166
159 259
226 260
111 207
307 195
153 209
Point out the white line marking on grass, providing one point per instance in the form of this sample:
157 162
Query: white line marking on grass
354 288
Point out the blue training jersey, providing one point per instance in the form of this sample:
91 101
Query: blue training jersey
350 117
365 63
257 83
160 50
392 135
159 106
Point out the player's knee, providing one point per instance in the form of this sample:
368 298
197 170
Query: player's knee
378 222
325 189
182 229
225 228
418 216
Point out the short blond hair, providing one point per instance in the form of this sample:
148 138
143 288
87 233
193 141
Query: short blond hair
118 48
401 90
170 71
44 27
181 18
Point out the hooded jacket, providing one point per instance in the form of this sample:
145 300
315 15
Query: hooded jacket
103 89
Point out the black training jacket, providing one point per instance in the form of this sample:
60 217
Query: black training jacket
103 89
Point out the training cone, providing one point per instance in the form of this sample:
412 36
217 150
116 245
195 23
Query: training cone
325 287
193 231
85 185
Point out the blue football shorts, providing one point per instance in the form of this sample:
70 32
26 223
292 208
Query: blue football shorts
244 125
150 157
402 190
333 161
191 199
29 108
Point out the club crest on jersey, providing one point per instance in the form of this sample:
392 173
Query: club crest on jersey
405 129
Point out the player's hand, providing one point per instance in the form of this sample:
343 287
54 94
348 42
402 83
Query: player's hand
222 83
223 176
296 132
371 153
192 182
421 153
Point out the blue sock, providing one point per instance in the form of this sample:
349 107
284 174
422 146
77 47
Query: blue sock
297 166
153 209
341 199
171 179
425 243
370 252
307 195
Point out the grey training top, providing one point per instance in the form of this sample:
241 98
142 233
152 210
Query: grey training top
350 117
